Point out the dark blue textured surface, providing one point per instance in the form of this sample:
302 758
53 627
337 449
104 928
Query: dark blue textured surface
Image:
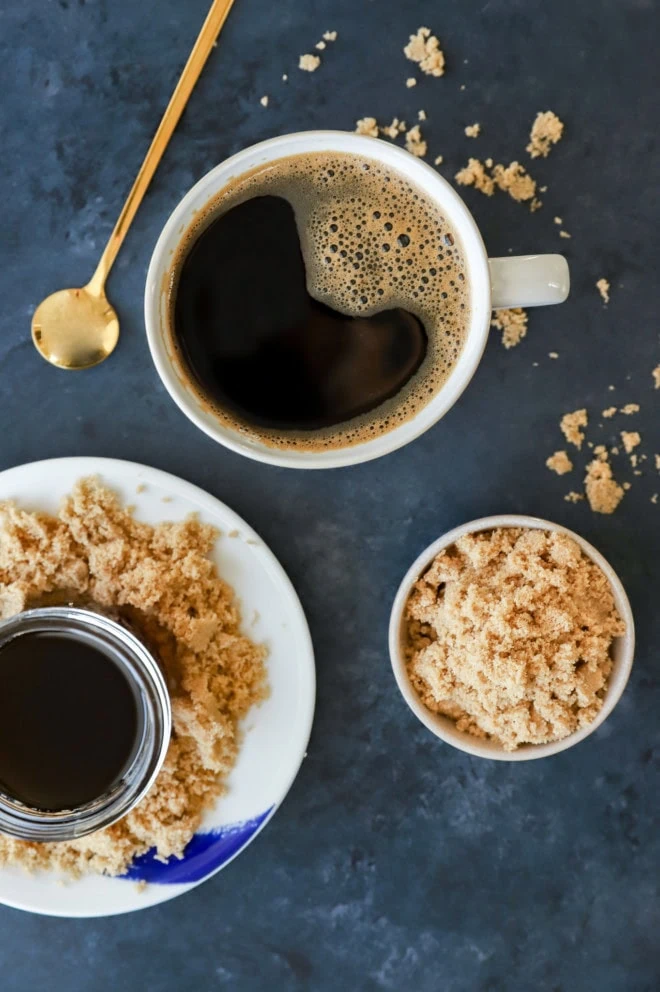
395 862
205 853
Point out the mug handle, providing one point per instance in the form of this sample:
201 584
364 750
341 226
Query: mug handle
528 280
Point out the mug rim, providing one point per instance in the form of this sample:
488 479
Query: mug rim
442 726
283 146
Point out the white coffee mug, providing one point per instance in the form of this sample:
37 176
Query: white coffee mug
521 281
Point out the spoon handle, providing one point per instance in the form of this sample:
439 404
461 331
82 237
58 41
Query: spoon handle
205 40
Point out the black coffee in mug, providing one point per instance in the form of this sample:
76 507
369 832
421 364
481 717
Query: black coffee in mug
320 301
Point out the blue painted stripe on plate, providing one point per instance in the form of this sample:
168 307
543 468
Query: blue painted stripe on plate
205 853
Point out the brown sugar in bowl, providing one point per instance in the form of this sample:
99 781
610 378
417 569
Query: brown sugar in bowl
621 652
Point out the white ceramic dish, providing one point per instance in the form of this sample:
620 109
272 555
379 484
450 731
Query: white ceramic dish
276 733
622 649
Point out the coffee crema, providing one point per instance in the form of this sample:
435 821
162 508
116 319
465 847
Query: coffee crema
319 301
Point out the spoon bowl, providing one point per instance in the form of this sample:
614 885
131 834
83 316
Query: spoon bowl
75 328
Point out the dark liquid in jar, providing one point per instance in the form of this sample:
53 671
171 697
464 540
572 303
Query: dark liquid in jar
68 721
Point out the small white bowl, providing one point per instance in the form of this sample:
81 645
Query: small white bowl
444 728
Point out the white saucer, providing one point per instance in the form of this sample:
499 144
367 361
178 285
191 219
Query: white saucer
276 732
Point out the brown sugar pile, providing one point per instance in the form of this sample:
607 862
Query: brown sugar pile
475 174
603 288
368 126
512 179
630 440
512 323
603 492
509 635
570 427
415 143
424 48
309 63
164 582
559 463
394 129
546 131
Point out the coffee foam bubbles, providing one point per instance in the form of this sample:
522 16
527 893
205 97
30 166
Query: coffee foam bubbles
371 241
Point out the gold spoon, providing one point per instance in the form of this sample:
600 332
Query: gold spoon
78 328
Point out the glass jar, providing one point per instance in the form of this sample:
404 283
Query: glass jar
154 721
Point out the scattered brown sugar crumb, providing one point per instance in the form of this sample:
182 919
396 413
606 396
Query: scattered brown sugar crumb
657 462
630 440
574 497
309 63
94 552
473 130
394 129
535 205
141 488
603 493
570 426
627 486
565 234
609 412
558 220
474 174
320 45
264 101
514 180
630 408
330 35
410 82
368 126
284 77
415 143
421 115
553 354
439 159
546 131
656 376
603 288
559 463
424 48
509 635
512 323
654 498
